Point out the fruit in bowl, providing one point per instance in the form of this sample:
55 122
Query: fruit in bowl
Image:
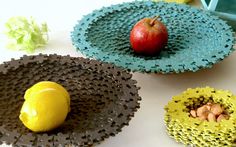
148 36
46 106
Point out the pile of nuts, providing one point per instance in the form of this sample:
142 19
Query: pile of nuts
210 112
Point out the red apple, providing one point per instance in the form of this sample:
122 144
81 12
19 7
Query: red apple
148 36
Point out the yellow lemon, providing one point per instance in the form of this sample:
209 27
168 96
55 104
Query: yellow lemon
47 85
45 107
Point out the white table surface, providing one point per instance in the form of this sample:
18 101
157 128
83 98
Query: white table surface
147 128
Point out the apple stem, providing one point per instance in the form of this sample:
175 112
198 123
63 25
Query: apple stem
153 20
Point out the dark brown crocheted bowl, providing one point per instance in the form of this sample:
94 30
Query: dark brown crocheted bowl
103 99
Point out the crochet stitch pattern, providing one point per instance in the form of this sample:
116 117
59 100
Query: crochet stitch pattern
193 131
197 39
103 99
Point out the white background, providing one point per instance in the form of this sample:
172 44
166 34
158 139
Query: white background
146 129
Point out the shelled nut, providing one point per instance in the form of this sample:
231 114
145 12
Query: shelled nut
193 113
211 117
201 110
216 109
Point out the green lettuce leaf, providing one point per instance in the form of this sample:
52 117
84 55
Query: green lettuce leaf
24 34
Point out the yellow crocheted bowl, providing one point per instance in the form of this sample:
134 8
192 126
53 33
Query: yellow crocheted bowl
192 131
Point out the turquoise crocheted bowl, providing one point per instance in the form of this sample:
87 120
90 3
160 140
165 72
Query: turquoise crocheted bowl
196 38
